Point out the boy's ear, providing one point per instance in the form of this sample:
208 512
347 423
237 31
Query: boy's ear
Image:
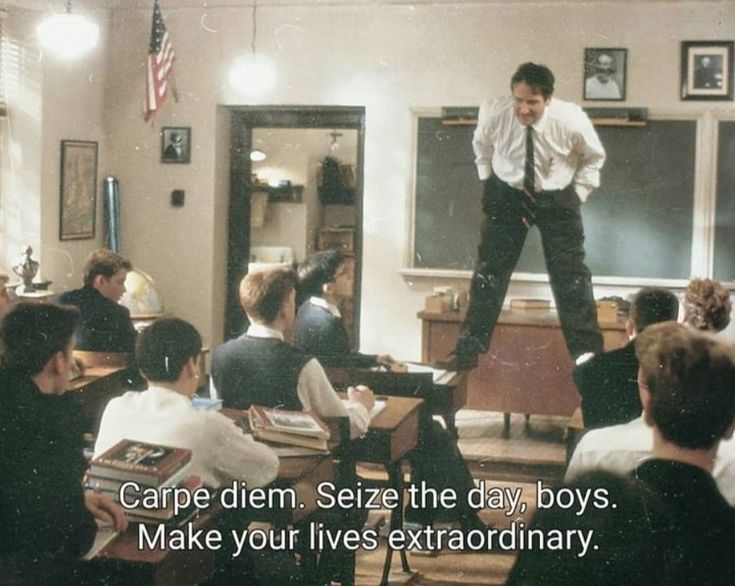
327 287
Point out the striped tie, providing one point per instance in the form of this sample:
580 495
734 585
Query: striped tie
528 174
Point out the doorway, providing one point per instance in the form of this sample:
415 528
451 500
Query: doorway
281 207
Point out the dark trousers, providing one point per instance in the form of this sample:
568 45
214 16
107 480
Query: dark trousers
502 234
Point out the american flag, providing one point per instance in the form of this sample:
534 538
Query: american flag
160 65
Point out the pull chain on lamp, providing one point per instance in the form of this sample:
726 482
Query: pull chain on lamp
68 35
253 73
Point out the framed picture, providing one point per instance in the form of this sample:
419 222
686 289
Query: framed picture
176 144
604 74
706 70
78 189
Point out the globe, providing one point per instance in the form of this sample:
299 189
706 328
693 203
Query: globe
141 296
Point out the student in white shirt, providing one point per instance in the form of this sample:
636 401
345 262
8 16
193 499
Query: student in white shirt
168 353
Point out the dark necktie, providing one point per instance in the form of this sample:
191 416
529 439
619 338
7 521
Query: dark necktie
528 174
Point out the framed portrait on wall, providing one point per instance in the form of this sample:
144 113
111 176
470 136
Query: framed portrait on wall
604 74
706 70
176 144
78 205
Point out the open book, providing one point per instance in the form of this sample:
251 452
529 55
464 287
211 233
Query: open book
295 428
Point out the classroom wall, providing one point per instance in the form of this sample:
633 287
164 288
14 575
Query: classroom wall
49 101
420 56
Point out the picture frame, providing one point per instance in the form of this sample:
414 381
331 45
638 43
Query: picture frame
707 70
176 144
78 190
605 72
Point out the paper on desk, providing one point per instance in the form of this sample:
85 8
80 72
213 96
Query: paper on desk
105 534
377 407
438 375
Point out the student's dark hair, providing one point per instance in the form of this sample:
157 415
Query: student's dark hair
318 270
621 550
164 347
263 293
31 333
105 263
652 305
691 380
538 77
707 305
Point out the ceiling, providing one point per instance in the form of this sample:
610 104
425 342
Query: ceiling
84 5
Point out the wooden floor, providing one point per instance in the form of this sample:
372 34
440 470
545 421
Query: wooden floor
533 451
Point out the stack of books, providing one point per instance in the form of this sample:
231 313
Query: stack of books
293 428
148 465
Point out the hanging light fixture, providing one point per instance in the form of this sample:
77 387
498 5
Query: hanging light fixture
253 73
256 155
68 35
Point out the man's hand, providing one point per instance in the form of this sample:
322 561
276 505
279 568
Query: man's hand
363 395
391 363
105 509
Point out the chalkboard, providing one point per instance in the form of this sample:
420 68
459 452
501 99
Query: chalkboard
637 224
725 208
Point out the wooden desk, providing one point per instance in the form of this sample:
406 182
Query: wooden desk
527 369
444 400
392 434
95 388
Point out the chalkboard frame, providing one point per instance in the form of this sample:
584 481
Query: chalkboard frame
702 202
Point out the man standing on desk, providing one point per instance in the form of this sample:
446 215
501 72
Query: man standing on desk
540 157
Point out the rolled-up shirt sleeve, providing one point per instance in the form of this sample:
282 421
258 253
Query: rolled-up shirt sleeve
239 456
591 158
317 394
482 144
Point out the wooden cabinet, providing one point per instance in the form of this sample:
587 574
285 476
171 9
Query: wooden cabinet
527 368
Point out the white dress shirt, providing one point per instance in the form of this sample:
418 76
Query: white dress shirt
330 307
316 392
220 451
566 146
622 448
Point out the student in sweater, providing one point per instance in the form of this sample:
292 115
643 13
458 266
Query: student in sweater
687 384
325 281
261 368
47 518
607 382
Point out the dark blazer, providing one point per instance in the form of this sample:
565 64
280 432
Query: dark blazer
608 386
104 326
698 524
42 511
323 335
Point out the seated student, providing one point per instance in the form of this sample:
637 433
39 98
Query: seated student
47 518
325 280
621 550
687 383
607 382
261 368
707 305
104 324
168 353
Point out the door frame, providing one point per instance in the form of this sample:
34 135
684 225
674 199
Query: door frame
244 120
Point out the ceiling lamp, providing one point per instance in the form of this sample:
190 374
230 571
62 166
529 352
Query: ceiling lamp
254 73
257 155
68 35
